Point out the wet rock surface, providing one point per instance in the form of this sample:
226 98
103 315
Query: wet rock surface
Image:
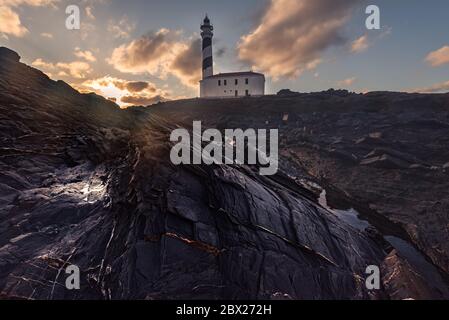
83 182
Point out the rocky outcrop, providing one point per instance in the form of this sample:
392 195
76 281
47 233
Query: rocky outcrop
83 182
8 54
386 151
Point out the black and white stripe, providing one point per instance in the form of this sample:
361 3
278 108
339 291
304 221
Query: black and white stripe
207 34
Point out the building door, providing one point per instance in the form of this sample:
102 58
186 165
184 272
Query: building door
247 93
236 93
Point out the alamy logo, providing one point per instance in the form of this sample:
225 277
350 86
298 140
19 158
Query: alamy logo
236 147
73 21
73 280
373 279
373 20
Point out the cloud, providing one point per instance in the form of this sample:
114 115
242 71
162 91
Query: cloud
39 63
86 55
292 35
439 57
75 69
347 82
34 3
10 22
220 52
47 35
160 54
364 42
150 53
360 44
89 13
140 100
436 88
125 92
122 29
86 29
187 64
138 86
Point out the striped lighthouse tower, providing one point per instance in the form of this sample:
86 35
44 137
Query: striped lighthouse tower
207 34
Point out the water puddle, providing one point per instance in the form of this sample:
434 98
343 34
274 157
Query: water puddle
416 259
405 249
350 216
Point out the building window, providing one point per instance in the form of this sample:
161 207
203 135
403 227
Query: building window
236 93
219 82
225 82
246 91
236 81
246 81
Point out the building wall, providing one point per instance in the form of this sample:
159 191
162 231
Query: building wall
211 88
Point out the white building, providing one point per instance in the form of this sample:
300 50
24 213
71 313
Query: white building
234 84
226 85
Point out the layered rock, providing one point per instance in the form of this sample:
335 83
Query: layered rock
83 182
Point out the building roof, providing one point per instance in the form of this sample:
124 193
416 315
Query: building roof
235 74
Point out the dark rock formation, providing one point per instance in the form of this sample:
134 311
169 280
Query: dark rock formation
83 182
8 54
287 93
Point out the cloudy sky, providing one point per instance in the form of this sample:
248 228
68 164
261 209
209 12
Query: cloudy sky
139 52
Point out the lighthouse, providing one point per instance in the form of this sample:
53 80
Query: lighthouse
207 34
226 85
